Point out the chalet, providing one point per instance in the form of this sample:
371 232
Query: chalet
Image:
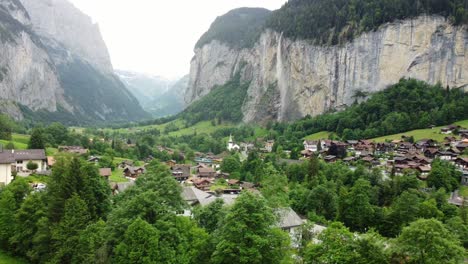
349 159
311 146
171 163
247 185
448 130
464 180
181 172
288 219
368 159
462 146
307 153
462 163
233 182
203 184
423 144
94 159
445 155
330 159
431 152
399 168
125 163
269 146
50 162
133 172
206 172
222 175
424 172
73 149
105 172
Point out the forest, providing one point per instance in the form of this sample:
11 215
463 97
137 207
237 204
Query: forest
377 220
407 105
331 22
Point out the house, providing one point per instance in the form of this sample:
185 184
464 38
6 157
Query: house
288 219
203 184
330 159
94 159
6 161
133 172
424 170
449 129
462 163
50 162
105 172
22 157
269 146
73 149
17 160
171 163
465 178
125 163
462 146
206 172
181 172
311 146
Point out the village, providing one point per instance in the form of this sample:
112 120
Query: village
204 182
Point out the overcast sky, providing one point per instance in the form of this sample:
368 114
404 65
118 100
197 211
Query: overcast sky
155 36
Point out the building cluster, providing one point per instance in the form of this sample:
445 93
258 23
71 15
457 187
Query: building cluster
396 156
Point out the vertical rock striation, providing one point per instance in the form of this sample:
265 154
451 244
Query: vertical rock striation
311 80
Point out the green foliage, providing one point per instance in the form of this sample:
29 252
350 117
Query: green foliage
428 241
6 127
239 28
338 21
37 139
443 175
140 244
32 166
248 236
275 187
209 217
339 245
231 164
407 105
223 102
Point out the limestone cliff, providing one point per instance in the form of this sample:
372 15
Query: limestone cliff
54 66
292 79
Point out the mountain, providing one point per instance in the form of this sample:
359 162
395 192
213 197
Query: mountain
170 102
316 56
159 96
55 66
144 87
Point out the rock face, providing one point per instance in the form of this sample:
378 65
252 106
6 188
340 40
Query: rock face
61 21
53 61
292 79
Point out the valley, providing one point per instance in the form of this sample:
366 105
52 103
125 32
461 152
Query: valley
319 120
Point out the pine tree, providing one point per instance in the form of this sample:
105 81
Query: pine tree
37 139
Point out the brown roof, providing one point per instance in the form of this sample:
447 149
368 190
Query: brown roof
206 170
105 172
50 160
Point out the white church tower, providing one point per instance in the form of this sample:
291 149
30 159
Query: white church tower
231 146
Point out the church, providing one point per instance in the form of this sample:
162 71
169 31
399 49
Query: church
231 145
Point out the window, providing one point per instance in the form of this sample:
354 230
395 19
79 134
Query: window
19 162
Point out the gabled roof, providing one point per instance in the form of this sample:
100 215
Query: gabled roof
288 218
6 157
105 172
29 154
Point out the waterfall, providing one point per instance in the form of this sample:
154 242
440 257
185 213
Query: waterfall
282 82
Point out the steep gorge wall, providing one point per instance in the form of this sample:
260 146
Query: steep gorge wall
304 79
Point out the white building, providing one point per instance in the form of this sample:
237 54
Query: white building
232 146
311 145
17 160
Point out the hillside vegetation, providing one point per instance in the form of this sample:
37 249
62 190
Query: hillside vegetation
338 21
325 22
407 105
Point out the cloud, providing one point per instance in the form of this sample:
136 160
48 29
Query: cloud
158 37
